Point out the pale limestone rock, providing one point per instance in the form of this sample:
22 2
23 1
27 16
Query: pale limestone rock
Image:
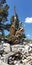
2 63
6 47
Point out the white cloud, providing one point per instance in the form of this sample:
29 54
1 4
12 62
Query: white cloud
28 20
28 35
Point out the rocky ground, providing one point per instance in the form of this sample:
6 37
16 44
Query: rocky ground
16 54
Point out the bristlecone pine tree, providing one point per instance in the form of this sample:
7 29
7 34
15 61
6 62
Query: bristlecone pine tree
3 16
16 31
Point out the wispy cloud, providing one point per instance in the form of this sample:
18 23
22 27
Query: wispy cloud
28 20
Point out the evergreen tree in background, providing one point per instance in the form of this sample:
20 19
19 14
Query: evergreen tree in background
3 15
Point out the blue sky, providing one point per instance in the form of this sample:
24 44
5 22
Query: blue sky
24 11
